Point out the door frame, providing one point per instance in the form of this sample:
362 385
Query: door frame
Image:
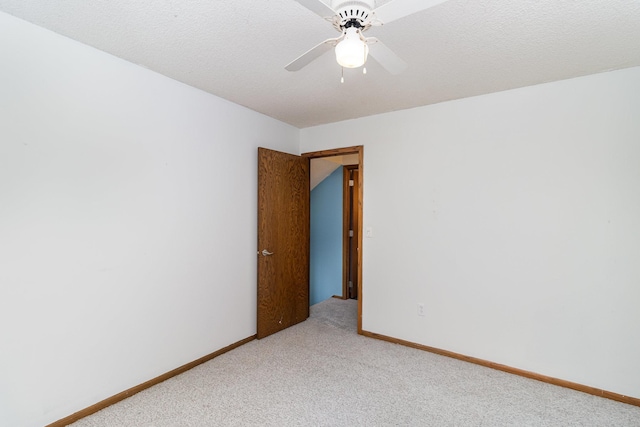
348 211
359 150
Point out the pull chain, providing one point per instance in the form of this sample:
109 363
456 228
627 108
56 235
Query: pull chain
364 62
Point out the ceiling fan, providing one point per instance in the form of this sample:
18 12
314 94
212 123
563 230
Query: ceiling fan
352 19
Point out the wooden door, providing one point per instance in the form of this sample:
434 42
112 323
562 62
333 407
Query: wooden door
283 241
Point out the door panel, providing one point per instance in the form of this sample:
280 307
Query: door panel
283 231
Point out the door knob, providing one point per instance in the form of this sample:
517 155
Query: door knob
266 252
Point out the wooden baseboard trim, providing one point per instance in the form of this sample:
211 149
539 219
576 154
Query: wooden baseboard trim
546 379
133 390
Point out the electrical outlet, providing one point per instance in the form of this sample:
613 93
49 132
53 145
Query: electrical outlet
420 309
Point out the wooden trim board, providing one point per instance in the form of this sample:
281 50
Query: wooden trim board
539 377
133 390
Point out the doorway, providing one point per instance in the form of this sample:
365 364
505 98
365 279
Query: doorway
283 237
351 245
351 161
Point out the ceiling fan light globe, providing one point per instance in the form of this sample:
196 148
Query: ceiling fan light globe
352 53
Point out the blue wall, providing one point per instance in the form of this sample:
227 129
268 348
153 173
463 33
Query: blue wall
326 239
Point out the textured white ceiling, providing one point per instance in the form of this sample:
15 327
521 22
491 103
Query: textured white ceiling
238 49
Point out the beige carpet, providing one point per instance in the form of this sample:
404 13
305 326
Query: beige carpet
321 373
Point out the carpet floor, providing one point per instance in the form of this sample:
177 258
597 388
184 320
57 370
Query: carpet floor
321 373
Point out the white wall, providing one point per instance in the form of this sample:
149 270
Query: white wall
127 223
515 218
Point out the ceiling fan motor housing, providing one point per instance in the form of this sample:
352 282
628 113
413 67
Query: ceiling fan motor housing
353 14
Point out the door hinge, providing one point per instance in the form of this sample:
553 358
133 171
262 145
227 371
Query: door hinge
350 233
351 184
350 284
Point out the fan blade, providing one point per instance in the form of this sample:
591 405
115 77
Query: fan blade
385 56
312 54
318 7
397 9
